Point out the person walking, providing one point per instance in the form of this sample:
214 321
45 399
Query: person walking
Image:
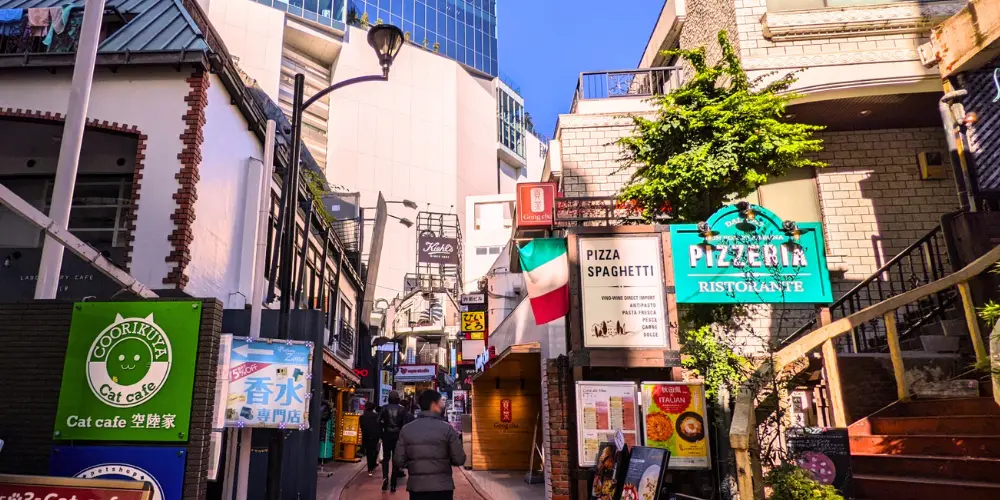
391 420
371 432
428 448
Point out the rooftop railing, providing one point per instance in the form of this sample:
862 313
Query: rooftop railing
630 83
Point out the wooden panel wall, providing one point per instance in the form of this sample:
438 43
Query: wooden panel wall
495 447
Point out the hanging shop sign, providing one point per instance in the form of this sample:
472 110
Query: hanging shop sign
674 418
61 488
472 298
536 203
474 321
435 250
161 467
269 383
416 373
745 254
825 453
506 411
602 409
623 292
129 372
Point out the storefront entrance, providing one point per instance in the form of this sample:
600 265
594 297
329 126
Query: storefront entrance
506 411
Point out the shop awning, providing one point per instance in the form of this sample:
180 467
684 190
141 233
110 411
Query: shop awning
334 366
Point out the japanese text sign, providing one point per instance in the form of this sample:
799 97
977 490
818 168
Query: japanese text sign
269 383
506 412
58 488
747 255
129 371
535 204
161 467
474 321
674 417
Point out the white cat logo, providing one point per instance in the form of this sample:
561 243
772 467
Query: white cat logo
129 361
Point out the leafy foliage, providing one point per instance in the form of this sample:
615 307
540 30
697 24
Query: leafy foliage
706 355
317 186
715 138
788 482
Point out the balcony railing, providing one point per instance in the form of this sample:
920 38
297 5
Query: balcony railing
625 83
345 339
600 211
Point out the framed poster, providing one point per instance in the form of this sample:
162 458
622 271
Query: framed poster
161 467
674 417
622 290
644 475
602 408
269 383
129 372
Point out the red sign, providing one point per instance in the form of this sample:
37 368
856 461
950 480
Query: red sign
51 488
361 372
506 413
536 203
672 398
245 370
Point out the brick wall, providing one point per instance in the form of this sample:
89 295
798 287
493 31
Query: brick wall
33 338
558 443
869 383
590 154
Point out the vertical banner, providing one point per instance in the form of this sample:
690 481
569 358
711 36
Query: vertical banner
129 372
622 288
674 417
602 408
536 203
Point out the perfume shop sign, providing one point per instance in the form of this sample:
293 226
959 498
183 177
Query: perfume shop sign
623 292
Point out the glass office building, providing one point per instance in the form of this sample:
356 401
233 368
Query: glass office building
463 30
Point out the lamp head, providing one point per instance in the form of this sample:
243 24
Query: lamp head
386 39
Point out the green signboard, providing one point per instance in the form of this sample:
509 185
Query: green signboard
129 371
745 254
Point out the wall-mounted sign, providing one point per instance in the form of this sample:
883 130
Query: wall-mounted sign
602 409
416 373
825 453
535 204
475 336
161 467
269 383
59 488
506 411
474 321
77 277
361 372
472 298
129 371
623 292
674 417
750 256
434 250
350 429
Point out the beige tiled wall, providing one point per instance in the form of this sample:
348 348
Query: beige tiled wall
590 155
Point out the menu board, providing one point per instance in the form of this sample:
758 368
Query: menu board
644 476
674 417
824 453
602 409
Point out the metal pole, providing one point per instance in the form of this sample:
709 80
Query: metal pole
299 282
256 301
69 150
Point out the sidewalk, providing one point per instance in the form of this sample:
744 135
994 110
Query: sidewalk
333 477
364 487
499 485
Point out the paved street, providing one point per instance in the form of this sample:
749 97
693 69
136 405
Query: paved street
364 487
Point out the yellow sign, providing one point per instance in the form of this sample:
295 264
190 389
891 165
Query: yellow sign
349 430
474 321
674 414
475 336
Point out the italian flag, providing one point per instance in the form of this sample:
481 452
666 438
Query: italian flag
546 273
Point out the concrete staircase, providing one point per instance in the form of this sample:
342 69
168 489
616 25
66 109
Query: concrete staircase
940 449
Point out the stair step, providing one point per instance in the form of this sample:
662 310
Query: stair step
878 487
950 446
941 407
950 468
980 425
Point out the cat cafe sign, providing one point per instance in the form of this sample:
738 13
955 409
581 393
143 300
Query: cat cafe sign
621 280
435 250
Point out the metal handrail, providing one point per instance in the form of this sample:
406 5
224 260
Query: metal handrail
644 82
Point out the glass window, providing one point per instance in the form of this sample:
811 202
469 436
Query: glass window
431 23
421 11
495 250
383 4
408 10
481 250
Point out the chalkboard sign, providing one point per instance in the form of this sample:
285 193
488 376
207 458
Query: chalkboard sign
824 453
644 476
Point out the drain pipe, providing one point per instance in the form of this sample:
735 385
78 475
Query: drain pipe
962 178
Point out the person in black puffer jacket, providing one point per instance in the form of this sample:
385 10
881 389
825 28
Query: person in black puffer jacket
391 420
428 448
370 433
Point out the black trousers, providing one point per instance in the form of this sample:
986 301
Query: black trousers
388 449
371 451
432 495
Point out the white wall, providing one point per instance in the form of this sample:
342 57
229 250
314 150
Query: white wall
492 232
218 228
125 97
253 33
402 137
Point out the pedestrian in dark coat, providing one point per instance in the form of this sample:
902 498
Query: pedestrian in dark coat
391 420
428 448
371 432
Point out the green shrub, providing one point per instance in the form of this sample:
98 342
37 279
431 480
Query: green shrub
789 482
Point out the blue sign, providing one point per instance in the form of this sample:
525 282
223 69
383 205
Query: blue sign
162 467
269 383
745 254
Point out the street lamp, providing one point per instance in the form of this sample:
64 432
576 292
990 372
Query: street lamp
402 220
386 40
412 205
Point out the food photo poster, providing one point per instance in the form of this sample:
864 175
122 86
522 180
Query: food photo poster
674 419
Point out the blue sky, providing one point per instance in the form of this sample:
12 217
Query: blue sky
545 44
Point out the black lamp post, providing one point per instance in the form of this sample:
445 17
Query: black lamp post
386 40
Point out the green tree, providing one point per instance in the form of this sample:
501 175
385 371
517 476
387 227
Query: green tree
715 138
529 123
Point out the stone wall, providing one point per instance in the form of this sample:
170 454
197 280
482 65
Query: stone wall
705 18
558 403
591 155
